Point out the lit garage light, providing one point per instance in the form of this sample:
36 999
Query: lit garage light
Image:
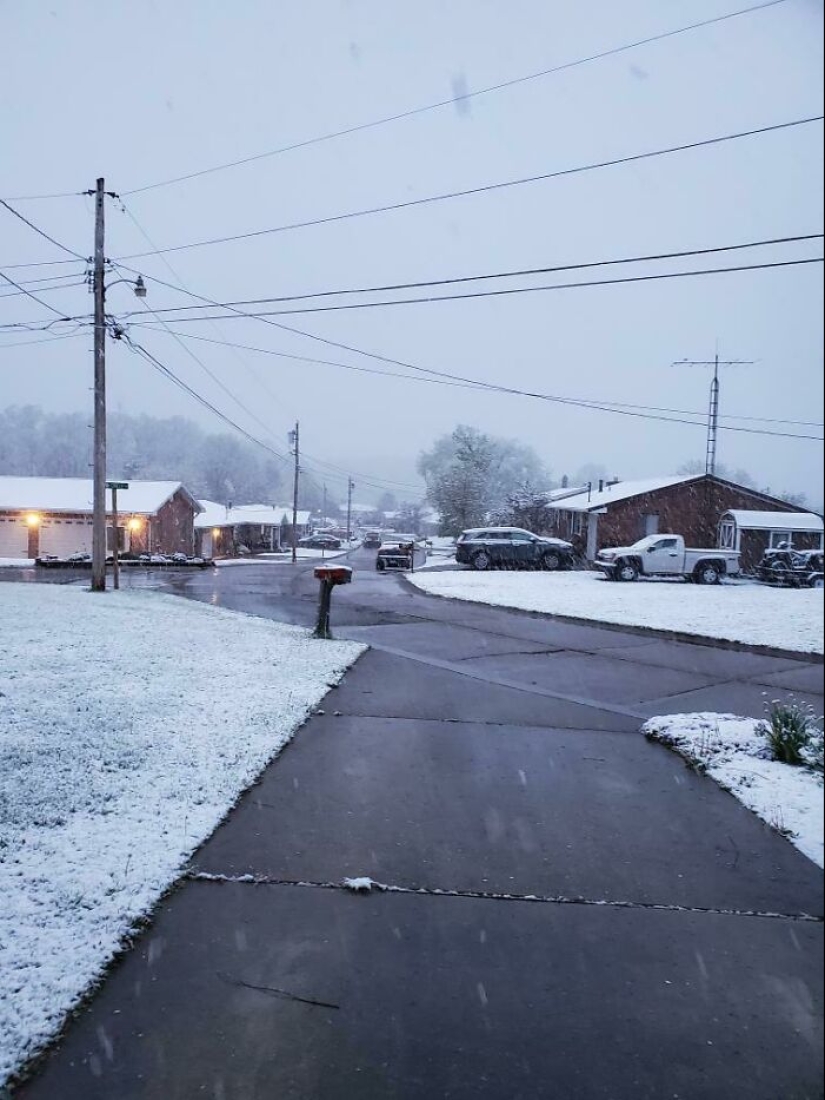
216 532
134 524
32 519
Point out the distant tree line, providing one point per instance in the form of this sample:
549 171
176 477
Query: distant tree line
219 467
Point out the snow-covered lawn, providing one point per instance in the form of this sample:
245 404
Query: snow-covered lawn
734 752
15 563
789 619
129 725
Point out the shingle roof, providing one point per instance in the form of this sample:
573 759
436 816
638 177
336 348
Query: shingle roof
74 494
265 515
621 490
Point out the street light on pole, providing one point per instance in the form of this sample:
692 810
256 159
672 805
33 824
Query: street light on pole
99 454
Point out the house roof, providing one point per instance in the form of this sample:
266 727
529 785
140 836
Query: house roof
264 515
582 501
74 494
776 521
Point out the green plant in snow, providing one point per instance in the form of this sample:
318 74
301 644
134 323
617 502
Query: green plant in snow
792 734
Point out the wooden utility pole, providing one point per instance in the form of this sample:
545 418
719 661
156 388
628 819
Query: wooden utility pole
114 486
99 455
350 487
295 440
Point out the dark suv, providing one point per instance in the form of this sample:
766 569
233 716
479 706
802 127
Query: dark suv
511 548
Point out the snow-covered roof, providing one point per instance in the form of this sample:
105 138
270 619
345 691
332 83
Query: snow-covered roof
265 515
582 501
74 494
776 521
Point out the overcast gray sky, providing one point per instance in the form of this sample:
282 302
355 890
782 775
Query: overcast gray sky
140 92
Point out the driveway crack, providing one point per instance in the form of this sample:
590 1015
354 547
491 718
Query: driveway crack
368 886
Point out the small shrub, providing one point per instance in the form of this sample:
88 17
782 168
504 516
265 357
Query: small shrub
792 734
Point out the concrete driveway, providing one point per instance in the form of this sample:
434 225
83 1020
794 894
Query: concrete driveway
572 913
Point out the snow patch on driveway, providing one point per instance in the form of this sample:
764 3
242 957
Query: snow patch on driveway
790 619
129 725
734 752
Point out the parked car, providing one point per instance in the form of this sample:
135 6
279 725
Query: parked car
792 568
372 540
320 542
400 551
511 548
666 556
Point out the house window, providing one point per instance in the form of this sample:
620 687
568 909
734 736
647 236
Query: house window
651 523
727 535
781 540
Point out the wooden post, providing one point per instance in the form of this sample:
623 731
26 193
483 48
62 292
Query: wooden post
322 629
115 561
99 453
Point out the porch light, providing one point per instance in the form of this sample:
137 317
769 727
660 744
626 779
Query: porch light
216 532
33 519
134 524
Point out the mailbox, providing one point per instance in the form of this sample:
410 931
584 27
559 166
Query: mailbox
334 574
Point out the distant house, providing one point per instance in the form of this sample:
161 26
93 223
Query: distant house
223 532
752 533
618 513
42 516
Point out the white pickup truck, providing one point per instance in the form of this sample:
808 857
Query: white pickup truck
666 556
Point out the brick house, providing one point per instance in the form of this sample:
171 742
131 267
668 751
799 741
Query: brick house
222 531
619 513
42 516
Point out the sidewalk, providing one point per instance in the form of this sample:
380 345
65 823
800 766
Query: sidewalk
576 915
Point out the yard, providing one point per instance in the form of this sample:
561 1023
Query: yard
129 725
789 619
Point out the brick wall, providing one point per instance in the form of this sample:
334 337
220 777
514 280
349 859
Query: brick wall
172 530
692 509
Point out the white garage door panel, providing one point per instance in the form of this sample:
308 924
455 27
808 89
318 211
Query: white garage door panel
14 539
65 537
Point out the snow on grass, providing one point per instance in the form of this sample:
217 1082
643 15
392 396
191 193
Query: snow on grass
15 563
755 614
129 725
734 751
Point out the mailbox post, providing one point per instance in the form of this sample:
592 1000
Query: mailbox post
329 576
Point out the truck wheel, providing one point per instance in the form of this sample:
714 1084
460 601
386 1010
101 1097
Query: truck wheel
818 581
481 561
708 573
380 565
551 561
627 571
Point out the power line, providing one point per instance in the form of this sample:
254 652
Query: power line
43 234
33 297
517 274
43 290
34 198
175 275
486 188
452 100
164 370
176 380
479 384
618 408
46 340
625 280
440 374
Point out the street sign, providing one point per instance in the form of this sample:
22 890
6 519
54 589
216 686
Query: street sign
117 484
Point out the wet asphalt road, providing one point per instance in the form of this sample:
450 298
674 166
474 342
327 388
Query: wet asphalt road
576 913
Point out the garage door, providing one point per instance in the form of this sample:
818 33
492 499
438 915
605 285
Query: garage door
62 537
14 538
